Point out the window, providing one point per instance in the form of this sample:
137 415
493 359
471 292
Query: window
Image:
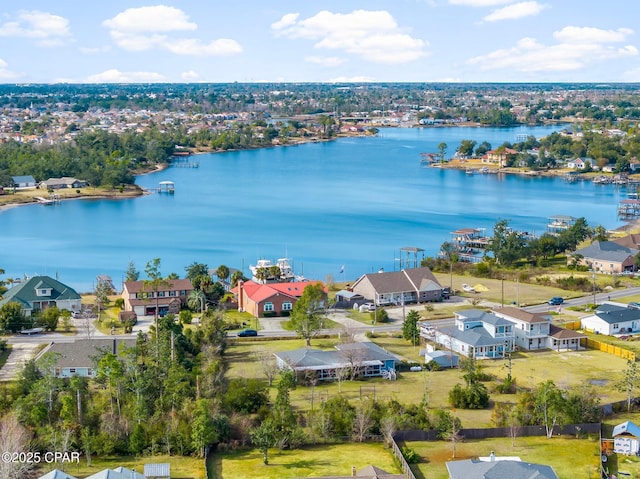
287 306
172 293
268 306
72 370
616 325
160 294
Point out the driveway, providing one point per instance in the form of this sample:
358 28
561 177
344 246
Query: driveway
20 353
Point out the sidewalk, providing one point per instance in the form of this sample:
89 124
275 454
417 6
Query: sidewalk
20 353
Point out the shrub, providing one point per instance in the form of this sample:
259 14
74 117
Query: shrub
506 386
433 366
381 316
410 455
269 314
475 396
285 313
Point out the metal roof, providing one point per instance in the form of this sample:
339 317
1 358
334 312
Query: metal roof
157 470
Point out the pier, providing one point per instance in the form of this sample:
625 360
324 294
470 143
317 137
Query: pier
470 243
629 209
164 187
559 223
184 163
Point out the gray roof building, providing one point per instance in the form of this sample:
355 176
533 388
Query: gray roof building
369 472
498 469
607 256
408 286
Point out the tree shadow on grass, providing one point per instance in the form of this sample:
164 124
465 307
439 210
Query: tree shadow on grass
305 463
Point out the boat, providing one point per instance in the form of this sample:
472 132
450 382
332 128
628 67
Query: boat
286 271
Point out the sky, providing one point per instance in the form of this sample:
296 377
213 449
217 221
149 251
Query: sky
188 41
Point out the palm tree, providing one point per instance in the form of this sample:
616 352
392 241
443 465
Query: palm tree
262 274
197 299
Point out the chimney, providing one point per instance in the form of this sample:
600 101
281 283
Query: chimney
353 471
240 295
492 456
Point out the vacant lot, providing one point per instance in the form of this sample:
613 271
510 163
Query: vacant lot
325 460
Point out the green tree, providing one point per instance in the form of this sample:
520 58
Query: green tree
197 300
466 147
222 272
264 437
442 150
11 317
49 318
196 269
203 433
549 405
629 382
410 327
132 274
153 285
308 313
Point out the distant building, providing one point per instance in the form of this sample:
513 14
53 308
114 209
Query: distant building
494 467
273 299
612 318
26 181
412 285
606 257
64 182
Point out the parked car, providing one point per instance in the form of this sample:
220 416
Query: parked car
247 332
556 300
633 305
445 293
369 306
468 289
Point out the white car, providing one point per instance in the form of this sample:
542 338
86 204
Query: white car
369 306
467 288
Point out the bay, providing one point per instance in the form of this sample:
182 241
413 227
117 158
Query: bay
353 202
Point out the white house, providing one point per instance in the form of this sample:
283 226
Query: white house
531 329
478 334
613 318
626 439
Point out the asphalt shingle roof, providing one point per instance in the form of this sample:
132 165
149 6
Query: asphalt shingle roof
607 251
612 313
25 292
473 468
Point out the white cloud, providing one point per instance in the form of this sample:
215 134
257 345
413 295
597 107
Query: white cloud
220 47
190 75
287 20
576 51
515 11
5 73
325 61
159 18
42 27
356 79
146 28
591 35
479 3
371 35
116 76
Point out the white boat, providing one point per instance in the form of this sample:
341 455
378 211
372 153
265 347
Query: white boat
286 271
467 288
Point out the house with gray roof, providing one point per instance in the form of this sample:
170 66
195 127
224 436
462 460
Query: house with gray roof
477 334
369 472
535 331
56 474
77 358
362 359
41 292
494 468
24 181
606 257
64 182
612 318
414 285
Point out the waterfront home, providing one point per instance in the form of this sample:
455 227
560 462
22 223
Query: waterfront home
414 285
606 257
477 334
499 156
77 358
631 241
171 296
64 182
363 359
41 292
267 300
25 181
613 318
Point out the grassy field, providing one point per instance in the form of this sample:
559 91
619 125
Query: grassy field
325 460
4 355
181 467
570 458
29 196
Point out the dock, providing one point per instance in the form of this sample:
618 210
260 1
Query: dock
164 187
52 200
183 162
629 208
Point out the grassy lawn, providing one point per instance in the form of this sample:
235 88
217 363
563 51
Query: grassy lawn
181 467
328 324
570 457
316 461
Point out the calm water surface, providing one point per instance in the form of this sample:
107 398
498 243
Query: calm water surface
351 202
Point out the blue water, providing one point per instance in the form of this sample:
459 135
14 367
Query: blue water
351 202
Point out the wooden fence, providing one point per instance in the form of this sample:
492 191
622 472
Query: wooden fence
611 349
403 462
572 325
